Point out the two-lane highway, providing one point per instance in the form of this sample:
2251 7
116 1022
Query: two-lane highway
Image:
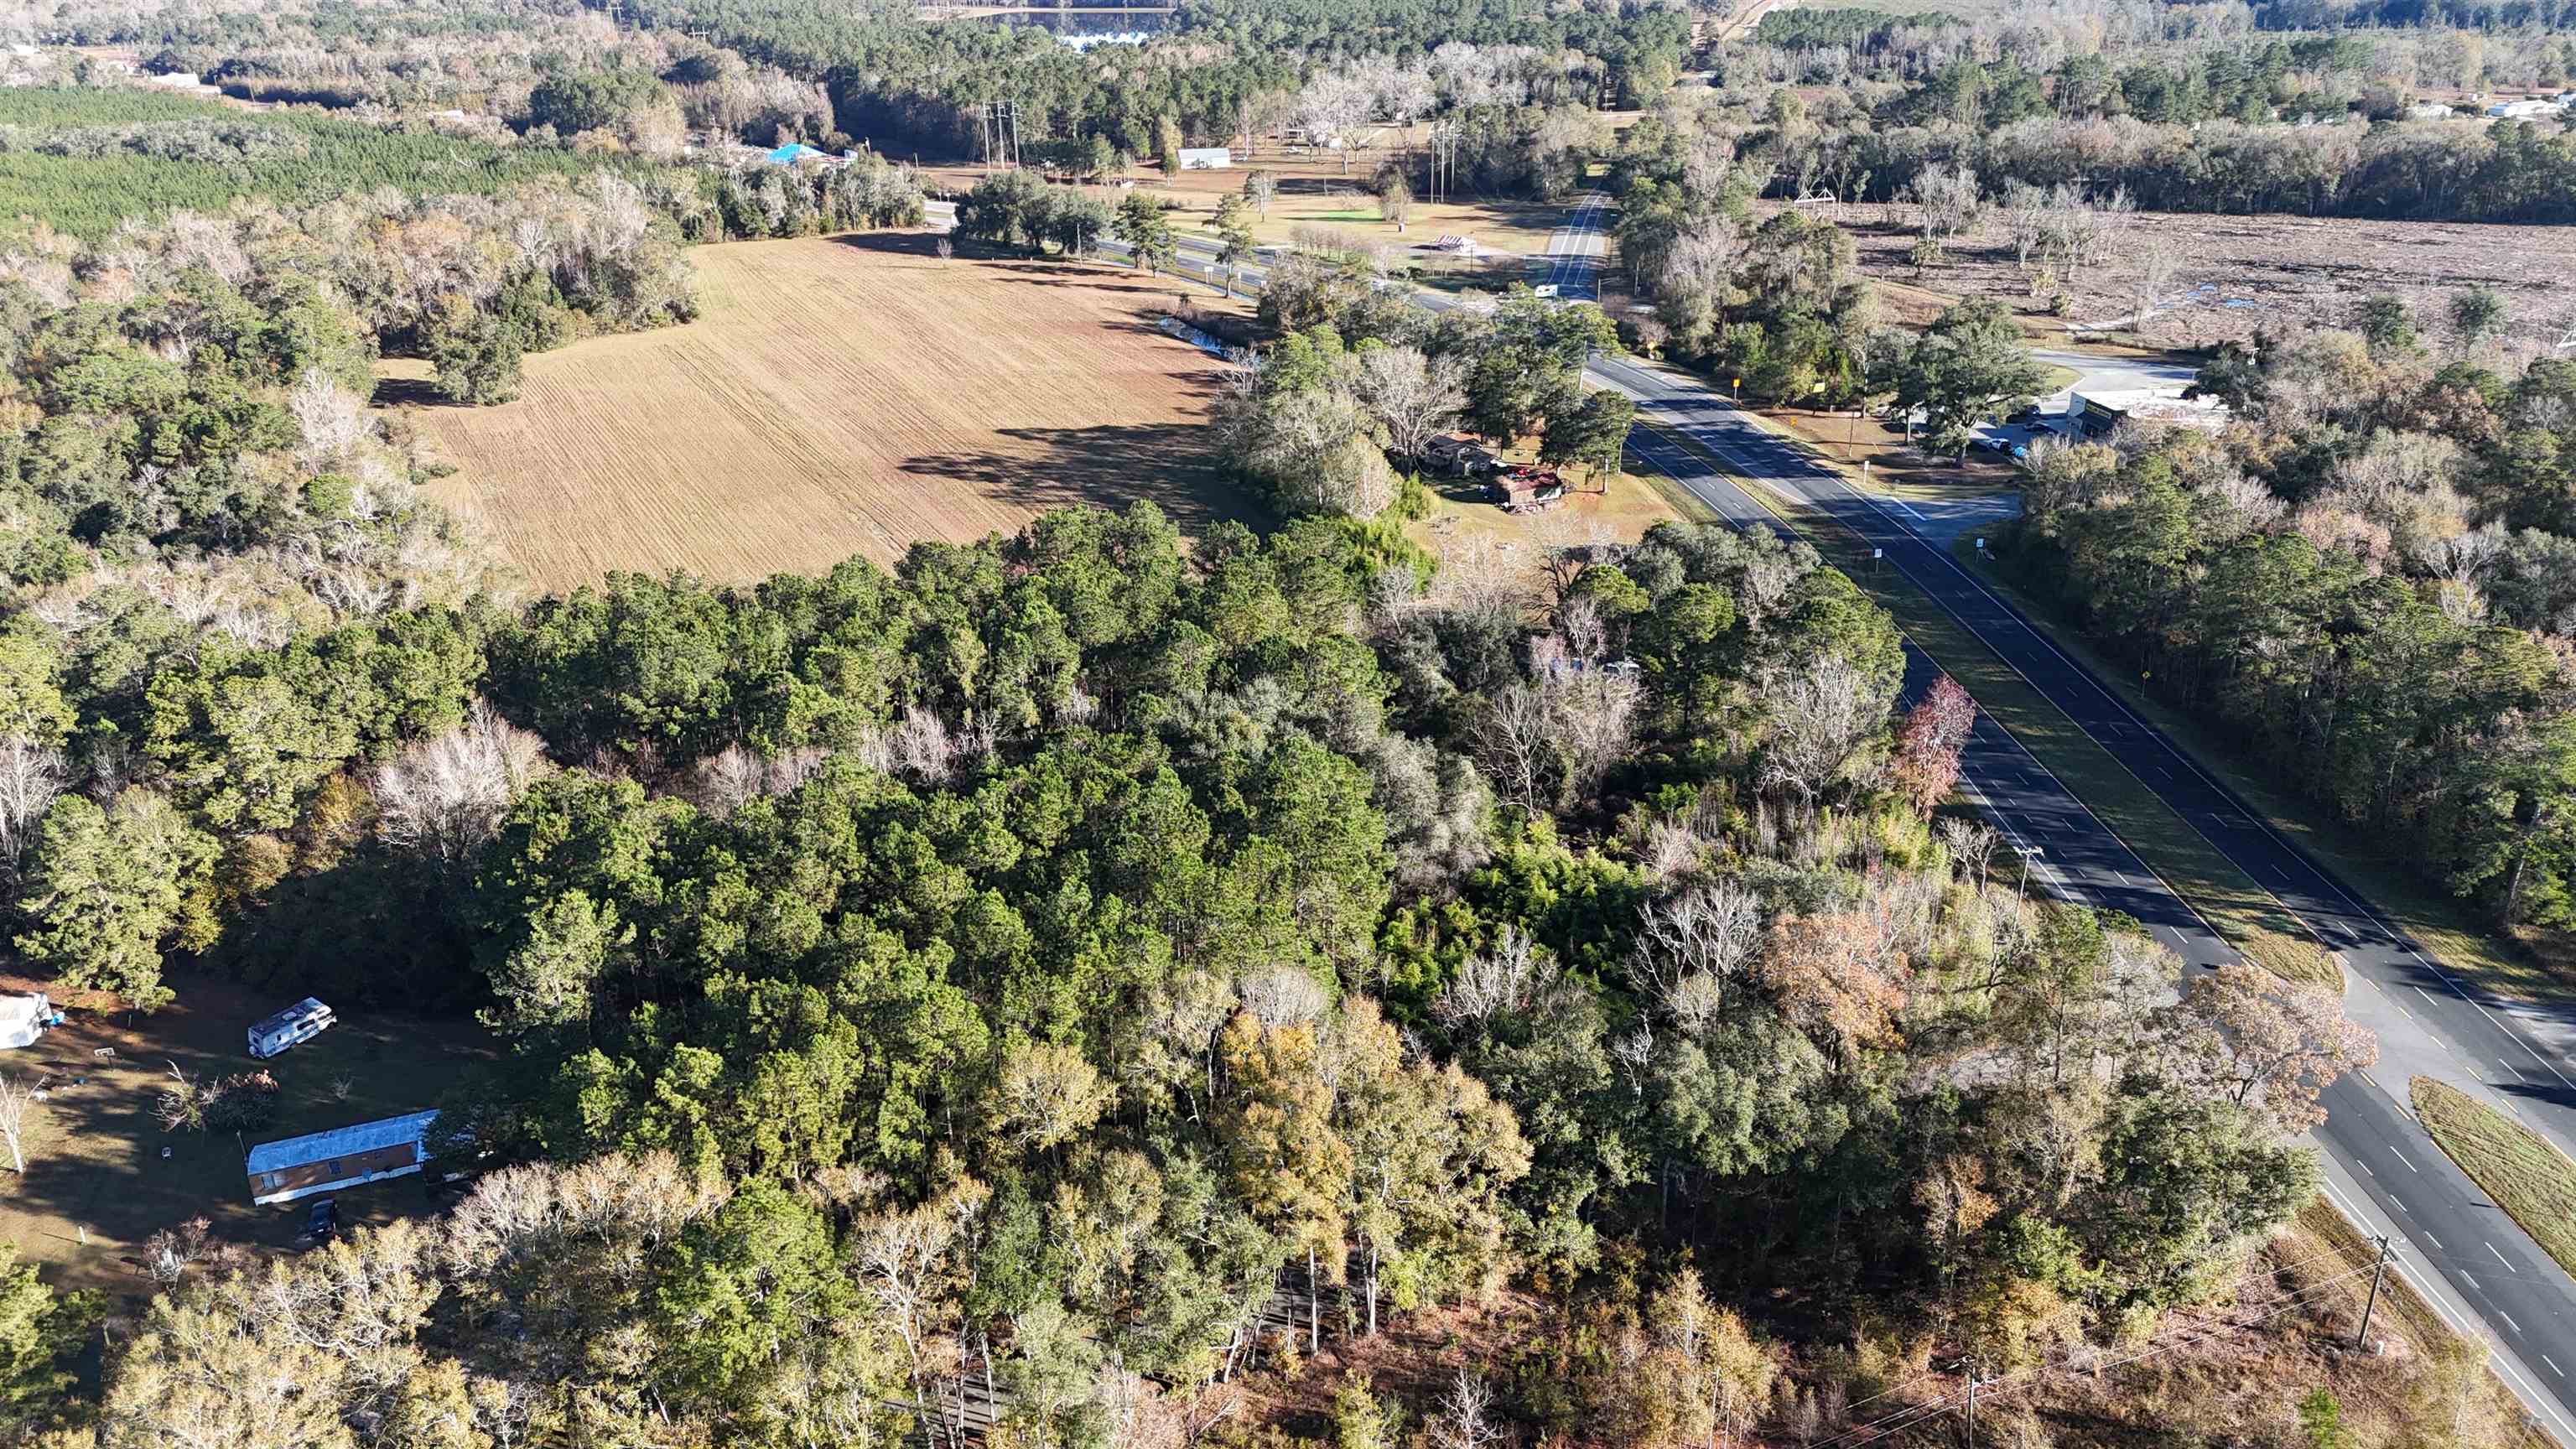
2472 1260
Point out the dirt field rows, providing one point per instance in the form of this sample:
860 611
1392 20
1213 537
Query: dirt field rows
839 396
2237 273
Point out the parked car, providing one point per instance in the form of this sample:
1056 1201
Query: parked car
322 1220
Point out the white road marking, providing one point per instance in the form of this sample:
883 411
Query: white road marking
2400 1156
2509 1323
2553 1365
2499 1257
2436 1242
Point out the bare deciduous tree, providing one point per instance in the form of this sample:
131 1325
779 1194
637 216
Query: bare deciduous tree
14 1100
1822 716
31 777
1281 996
1514 740
736 775
1413 397
1949 201
1465 1417
1491 983
1690 946
446 795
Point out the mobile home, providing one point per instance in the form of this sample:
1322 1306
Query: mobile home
342 1157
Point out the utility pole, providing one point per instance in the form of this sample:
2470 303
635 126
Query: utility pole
2378 1271
1972 1403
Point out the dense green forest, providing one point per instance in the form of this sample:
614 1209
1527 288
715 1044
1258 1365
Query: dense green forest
1087 980
1008 977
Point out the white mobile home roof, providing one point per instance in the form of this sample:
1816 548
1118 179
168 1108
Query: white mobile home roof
338 1142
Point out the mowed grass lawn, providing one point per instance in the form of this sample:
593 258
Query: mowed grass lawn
2526 1175
838 396
95 1158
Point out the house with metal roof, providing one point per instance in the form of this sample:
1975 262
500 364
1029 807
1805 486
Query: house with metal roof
795 151
341 1157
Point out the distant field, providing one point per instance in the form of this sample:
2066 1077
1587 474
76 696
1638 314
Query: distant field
2235 274
840 396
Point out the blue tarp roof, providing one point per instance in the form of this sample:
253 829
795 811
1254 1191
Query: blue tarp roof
795 151
338 1142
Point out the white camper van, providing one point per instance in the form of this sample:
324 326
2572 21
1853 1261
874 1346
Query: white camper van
301 1022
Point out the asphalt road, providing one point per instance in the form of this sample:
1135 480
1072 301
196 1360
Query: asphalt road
2478 1268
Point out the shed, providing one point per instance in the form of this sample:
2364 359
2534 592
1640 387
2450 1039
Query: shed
1523 489
342 1157
24 1017
1460 454
1206 158
299 1023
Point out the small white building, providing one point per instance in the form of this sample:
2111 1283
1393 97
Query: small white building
1206 158
2520 110
25 1017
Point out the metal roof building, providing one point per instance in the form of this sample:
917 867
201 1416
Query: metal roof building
341 1157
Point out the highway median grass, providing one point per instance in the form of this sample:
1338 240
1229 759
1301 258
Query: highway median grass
2295 958
2528 1177
2506 965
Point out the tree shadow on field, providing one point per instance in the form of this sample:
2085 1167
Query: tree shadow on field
1171 465
417 392
922 244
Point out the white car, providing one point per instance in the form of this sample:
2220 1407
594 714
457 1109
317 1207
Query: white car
1544 289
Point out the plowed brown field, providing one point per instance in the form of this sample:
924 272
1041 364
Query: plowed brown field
837 396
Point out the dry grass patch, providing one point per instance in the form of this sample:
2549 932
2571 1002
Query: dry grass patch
2294 958
2528 1177
839 396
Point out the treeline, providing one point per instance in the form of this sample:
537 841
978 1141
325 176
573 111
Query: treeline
83 160
1778 304
905 84
1858 27
1999 126
2481 15
2367 581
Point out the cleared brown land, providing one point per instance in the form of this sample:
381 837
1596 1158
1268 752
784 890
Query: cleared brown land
839 396
2281 272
